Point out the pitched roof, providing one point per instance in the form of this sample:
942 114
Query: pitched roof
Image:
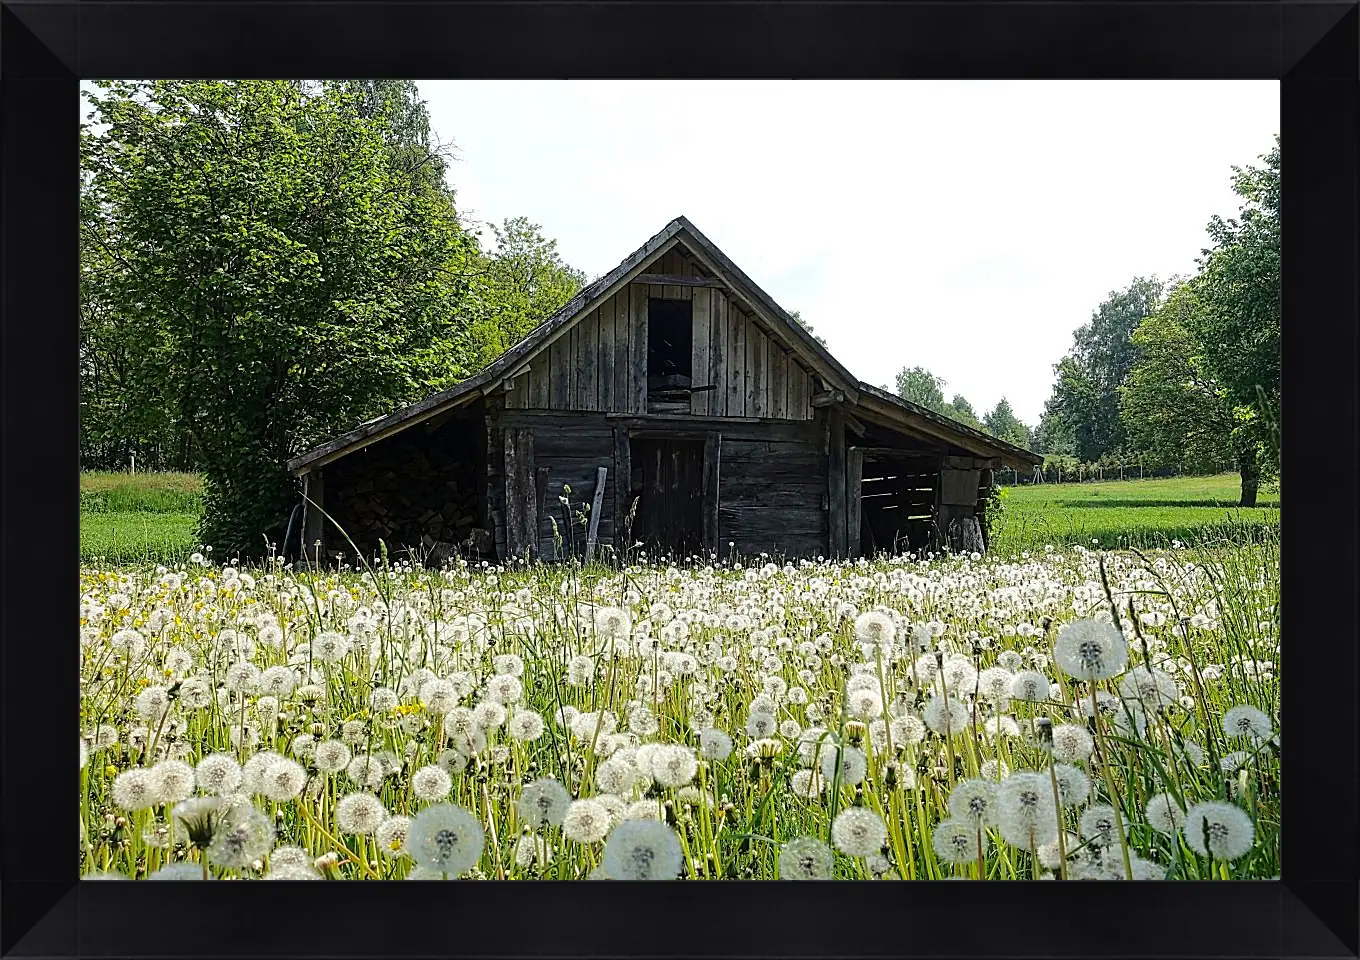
678 230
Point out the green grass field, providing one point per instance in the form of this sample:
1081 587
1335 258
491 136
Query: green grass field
1137 513
151 517
141 517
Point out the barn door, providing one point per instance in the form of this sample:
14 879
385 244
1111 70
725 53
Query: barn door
670 516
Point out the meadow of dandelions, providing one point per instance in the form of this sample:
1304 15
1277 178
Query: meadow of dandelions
1066 715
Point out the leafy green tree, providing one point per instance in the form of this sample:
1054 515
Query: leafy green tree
1085 401
1001 422
961 410
1238 329
277 275
1173 407
921 387
520 285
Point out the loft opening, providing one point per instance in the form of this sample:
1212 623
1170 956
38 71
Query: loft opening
670 340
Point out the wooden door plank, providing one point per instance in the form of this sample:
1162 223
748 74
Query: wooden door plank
836 483
717 397
699 374
854 472
712 489
637 346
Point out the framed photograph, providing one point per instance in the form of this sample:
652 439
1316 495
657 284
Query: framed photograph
561 442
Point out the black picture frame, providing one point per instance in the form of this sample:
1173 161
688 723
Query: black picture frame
46 46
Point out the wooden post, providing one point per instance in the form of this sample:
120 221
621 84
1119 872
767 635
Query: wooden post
836 483
540 498
712 471
519 493
313 523
854 475
984 496
595 506
623 479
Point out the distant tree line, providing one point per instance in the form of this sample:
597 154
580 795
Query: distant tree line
1176 377
265 264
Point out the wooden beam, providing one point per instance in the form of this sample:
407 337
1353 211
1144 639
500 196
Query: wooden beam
623 478
854 471
672 280
712 471
595 506
827 398
540 496
970 463
520 508
836 484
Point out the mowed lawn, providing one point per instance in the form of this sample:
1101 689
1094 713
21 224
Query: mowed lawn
1133 513
140 517
152 517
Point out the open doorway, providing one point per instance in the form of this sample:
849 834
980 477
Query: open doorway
668 476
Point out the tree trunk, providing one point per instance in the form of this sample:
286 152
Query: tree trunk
1250 468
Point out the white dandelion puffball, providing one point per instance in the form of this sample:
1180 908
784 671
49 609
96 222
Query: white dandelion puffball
531 851
1026 814
807 784
1071 743
525 726
383 699
1149 688
330 646
1030 686
714 744
366 771
177 871
617 775
946 715
172 780
674 765
906 730
1097 825
543 803
874 627
858 832
854 766
1248 721
438 695
282 780
958 842
806 858
391 836
244 836
972 802
761 725
359 813
864 703
1220 830
1091 650
1164 814
290 857
430 784
134 789
151 703
445 838
332 756
1074 786
642 850
586 821
505 688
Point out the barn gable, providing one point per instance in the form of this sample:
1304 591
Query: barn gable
673 400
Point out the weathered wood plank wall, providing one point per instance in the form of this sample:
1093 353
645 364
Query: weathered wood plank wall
600 363
772 496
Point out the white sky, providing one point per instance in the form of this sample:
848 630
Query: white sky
968 227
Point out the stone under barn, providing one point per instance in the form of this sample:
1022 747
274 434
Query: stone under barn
670 403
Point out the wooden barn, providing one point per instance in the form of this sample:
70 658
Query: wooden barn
671 403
